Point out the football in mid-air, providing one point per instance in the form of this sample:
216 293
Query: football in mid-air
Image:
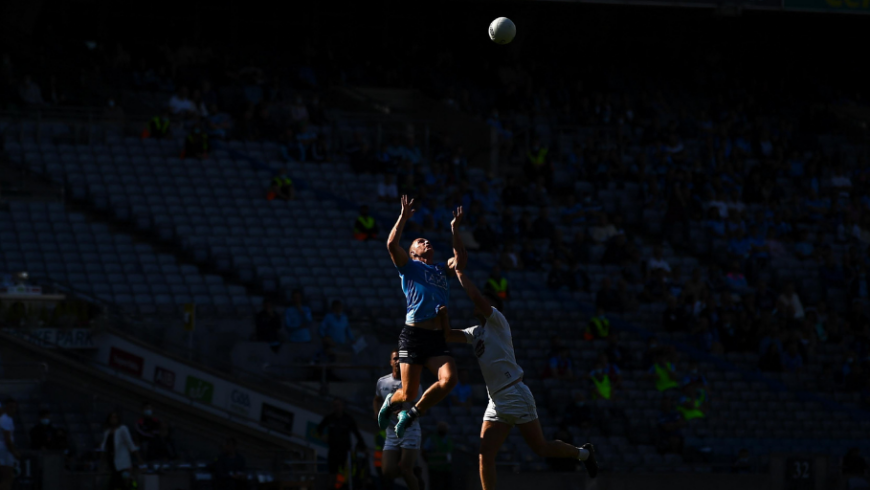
502 30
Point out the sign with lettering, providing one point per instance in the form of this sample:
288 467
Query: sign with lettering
799 474
124 361
199 389
277 418
239 402
60 338
164 377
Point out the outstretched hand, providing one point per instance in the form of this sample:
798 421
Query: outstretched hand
407 207
457 217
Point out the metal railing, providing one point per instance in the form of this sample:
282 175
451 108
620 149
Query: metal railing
265 381
157 388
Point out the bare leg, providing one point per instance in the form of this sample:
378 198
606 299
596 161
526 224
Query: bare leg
492 436
534 437
406 468
410 383
445 368
390 461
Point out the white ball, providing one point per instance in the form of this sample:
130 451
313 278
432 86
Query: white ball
502 30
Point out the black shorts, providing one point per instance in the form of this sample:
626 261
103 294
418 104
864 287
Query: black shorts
417 345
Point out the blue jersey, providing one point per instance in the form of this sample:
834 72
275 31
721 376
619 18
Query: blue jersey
426 288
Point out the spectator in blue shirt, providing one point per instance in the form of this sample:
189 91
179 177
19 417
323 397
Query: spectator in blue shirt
735 280
412 152
573 212
559 365
694 378
817 207
803 248
782 226
795 165
792 361
757 243
305 138
297 319
714 223
735 224
461 394
395 149
740 245
335 328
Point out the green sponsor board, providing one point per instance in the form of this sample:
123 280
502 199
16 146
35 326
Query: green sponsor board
843 6
198 389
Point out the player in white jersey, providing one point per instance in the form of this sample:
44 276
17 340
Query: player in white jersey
510 400
399 455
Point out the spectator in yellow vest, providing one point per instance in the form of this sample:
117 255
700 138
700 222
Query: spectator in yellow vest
365 227
281 187
158 126
663 373
196 143
599 325
538 163
602 386
612 370
497 284
693 403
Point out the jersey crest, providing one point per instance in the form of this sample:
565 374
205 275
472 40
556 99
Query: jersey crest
479 347
437 279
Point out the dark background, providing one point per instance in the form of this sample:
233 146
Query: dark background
567 39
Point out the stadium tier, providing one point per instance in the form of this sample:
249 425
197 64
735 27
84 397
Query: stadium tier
677 228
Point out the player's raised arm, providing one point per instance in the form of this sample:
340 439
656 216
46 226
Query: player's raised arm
397 253
460 256
471 290
450 335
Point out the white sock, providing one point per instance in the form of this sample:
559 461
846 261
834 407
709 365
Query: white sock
583 455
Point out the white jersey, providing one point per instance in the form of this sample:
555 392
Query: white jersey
387 385
495 352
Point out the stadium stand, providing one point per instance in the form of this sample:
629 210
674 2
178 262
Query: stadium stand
728 228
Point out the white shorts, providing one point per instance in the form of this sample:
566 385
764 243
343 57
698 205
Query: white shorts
512 405
413 438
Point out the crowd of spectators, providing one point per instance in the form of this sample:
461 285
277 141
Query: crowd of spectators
186 91
743 174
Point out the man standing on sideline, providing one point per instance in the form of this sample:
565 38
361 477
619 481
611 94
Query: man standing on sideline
338 426
230 470
45 436
399 455
148 431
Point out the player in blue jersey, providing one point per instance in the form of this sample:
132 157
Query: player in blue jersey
421 343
